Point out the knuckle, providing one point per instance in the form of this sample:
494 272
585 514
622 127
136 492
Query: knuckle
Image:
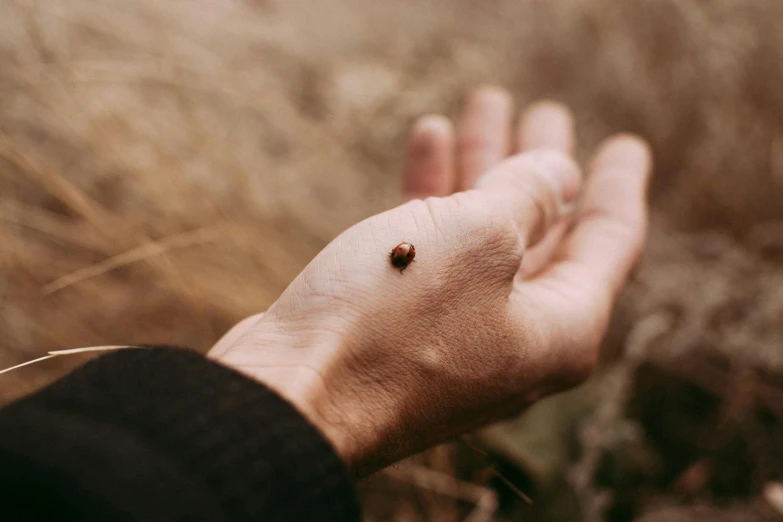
486 230
493 223
476 238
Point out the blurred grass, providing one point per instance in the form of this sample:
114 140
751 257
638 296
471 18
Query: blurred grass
213 147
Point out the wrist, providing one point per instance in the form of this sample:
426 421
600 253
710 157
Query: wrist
303 365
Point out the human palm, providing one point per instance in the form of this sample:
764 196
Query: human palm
507 301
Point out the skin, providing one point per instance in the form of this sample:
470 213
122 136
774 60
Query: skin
484 339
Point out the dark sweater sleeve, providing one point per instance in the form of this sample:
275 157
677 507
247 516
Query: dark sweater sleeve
161 434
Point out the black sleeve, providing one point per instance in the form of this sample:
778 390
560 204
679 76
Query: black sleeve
162 435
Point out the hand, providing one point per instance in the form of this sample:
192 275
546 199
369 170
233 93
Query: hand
507 300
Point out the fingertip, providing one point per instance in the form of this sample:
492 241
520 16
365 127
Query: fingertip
547 124
535 187
429 167
430 136
432 126
549 105
551 109
624 151
561 169
491 95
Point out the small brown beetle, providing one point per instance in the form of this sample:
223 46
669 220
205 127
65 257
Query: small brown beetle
402 255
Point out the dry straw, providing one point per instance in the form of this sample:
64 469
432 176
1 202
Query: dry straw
71 351
128 127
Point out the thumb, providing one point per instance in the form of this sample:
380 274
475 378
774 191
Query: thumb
534 189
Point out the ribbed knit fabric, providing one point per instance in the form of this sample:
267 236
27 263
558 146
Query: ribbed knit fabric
162 434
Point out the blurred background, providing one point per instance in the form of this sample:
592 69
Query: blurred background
167 168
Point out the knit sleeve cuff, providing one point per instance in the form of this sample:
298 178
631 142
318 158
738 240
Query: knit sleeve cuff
231 438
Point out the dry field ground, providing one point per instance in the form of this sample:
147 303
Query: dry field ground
168 167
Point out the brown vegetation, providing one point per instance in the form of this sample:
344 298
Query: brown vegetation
166 168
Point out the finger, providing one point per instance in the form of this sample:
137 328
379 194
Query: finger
429 167
482 134
611 223
579 287
533 188
546 125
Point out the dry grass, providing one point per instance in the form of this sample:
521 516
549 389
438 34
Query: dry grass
168 167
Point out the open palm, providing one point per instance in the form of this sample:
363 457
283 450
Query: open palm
515 275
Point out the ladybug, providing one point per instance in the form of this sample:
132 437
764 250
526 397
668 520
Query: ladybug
402 255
